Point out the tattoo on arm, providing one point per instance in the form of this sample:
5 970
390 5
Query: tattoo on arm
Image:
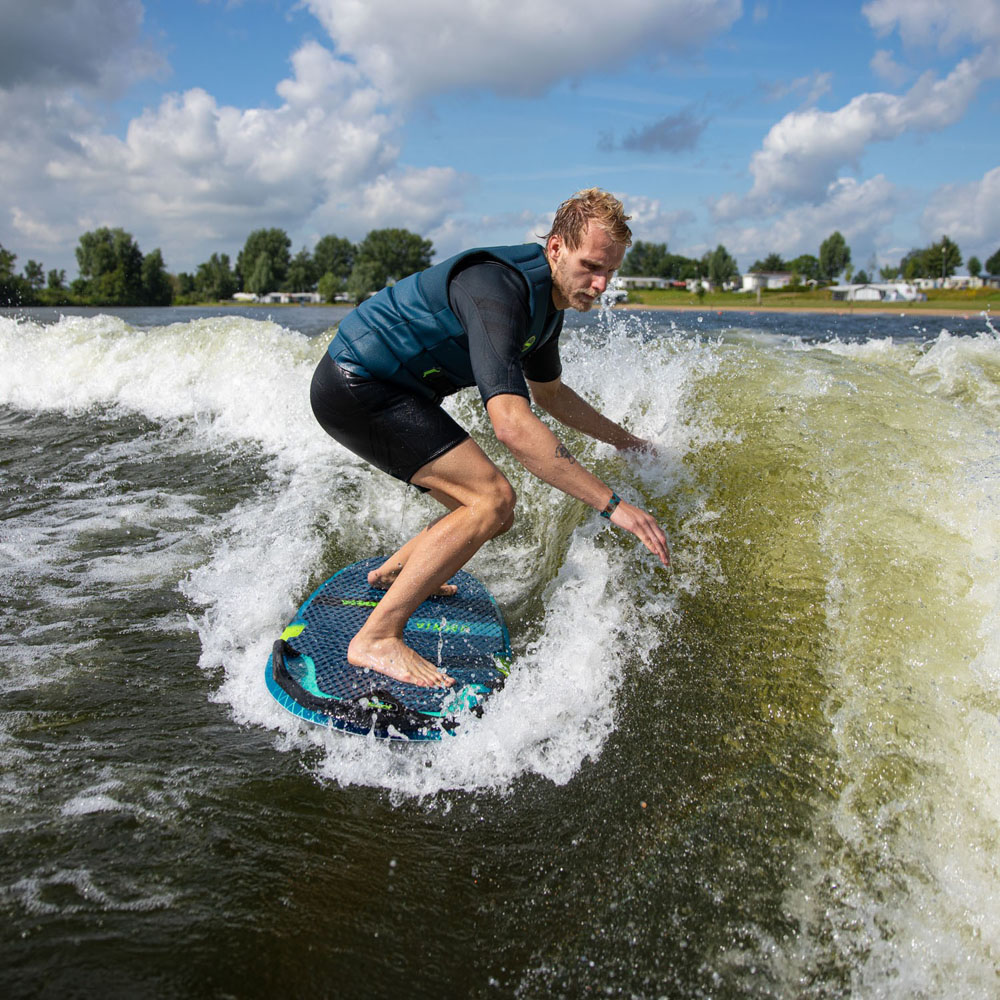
563 452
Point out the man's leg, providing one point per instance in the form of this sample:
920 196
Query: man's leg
384 575
482 506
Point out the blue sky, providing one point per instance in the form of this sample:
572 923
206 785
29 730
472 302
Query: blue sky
763 126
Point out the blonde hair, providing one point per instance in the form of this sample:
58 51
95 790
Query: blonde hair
590 205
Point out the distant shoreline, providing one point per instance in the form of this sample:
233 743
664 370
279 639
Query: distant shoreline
891 309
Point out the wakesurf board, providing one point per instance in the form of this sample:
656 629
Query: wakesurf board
464 634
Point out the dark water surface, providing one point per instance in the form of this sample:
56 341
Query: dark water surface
771 772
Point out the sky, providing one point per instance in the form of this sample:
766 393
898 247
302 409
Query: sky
763 126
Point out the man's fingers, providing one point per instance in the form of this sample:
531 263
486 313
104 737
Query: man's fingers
645 527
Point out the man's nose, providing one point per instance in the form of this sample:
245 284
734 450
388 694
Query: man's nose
600 283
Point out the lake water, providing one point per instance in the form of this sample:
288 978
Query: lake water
771 772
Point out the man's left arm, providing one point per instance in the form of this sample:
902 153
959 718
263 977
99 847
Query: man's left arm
574 411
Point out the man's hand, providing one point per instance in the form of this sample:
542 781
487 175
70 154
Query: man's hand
644 526
633 443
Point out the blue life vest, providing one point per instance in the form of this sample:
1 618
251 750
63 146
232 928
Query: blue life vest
407 334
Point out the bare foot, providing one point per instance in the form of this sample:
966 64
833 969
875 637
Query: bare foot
395 659
383 578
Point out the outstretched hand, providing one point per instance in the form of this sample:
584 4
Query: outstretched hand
638 444
643 525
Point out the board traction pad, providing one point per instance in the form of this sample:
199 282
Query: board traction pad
464 634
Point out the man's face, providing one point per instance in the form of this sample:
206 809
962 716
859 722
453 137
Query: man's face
580 276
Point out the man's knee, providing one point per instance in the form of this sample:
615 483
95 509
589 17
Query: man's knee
503 502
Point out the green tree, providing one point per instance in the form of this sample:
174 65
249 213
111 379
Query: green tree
773 262
683 268
157 288
7 263
184 285
302 274
387 255
651 260
888 273
273 242
262 279
214 279
363 281
34 274
646 260
805 266
14 290
110 265
942 259
862 277
57 280
330 286
975 267
334 255
834 255
993 264
721 267
913 265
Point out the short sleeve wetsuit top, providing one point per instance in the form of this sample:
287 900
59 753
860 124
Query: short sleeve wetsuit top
399 427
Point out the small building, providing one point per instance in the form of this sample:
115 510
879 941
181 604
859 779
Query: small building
756 281
895 291
628 281
288 298
965 282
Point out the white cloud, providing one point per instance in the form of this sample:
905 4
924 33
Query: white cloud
38 232
651 223
861 211
941 23
967 213
804 152
884 65
520 47
193 176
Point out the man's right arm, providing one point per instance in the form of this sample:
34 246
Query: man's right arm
544 455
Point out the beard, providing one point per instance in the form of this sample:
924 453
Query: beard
579 299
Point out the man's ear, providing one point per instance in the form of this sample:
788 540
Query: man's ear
554 247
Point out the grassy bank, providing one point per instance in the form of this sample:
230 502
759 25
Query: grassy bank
938 300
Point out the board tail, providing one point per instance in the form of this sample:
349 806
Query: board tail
377 709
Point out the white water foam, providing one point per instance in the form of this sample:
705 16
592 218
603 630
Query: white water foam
67 891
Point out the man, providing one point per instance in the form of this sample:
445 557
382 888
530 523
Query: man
490 318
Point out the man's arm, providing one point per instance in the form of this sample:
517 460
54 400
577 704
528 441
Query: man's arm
574 411
543 455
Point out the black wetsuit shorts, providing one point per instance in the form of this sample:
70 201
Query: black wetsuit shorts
395 430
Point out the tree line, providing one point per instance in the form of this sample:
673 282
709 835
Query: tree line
939 260
718 266
115 272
